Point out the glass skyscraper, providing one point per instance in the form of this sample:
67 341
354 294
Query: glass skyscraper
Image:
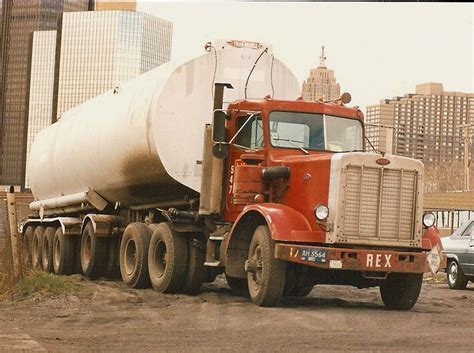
18 20
40 103
98 50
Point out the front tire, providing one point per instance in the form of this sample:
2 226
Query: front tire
456 277
400 291
134 255
267 281
167 259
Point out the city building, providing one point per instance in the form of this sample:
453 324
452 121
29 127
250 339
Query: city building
321 83
98 50
426 125
40 102
18 20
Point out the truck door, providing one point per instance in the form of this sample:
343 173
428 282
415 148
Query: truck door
249 139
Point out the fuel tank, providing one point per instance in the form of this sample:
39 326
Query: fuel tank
142 142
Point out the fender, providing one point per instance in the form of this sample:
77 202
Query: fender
69 225
285 223
430 238
102 224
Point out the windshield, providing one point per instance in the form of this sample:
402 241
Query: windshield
315 132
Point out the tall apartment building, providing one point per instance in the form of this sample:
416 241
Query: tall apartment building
18 20
424 125
98 50
321 83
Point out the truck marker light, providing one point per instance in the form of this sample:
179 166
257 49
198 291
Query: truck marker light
429 219
321 212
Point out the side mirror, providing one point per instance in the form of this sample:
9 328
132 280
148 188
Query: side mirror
221 148
218 126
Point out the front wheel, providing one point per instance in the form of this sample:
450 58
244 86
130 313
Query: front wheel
456 277
266 275
400 291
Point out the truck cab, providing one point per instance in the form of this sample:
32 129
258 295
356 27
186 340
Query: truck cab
305 199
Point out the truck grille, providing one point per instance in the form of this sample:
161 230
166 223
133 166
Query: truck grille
379 204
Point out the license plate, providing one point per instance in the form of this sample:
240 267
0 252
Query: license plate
374 260
315 255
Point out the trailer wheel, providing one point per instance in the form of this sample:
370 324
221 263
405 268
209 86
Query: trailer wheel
238 286
47 251
134 255
167 259
26 247
400 291
37 248
93 253
196 273
266 275
63 253
456 277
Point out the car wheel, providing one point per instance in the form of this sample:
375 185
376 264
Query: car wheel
456 277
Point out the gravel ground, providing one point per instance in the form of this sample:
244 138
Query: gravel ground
107 316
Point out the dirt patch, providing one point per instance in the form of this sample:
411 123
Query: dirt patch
107 316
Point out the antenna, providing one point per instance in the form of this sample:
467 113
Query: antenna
322 58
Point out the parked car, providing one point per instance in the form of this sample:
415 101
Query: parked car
459 250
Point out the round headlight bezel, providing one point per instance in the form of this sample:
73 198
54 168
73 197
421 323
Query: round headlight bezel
429 219
321 212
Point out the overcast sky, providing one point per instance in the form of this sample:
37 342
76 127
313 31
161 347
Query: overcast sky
377 50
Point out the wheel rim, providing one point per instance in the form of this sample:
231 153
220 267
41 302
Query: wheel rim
86 253
56 253
453 273
130 256
160 258
256 277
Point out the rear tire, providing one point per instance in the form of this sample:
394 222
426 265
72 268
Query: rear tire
167 259
26 247
63 253
400 291
134 255
456 277
47 251
267 283
93 253
37 248
196 273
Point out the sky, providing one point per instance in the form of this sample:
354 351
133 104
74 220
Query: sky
377 50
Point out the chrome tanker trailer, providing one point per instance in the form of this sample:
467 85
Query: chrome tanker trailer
216 165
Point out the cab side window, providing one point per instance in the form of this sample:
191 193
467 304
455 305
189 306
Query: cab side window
251 135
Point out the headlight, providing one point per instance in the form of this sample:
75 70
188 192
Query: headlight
429 219
321 212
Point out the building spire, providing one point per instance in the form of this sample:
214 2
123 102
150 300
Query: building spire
322 58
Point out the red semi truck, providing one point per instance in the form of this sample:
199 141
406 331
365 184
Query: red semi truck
156 180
